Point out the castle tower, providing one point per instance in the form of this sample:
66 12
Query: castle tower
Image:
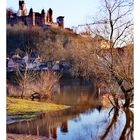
22 8
31 17
60 21
50 15
21 4
43 17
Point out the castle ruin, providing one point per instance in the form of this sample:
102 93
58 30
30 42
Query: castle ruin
32 18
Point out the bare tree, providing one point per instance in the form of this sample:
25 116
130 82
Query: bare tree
25 79
104 59
118 28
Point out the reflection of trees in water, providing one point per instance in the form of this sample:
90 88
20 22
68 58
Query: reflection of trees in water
108 125
46 124
113 122
76 95
111 128
127 132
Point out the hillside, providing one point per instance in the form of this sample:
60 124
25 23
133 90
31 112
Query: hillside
49 43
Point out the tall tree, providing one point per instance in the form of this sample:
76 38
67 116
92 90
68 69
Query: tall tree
108 60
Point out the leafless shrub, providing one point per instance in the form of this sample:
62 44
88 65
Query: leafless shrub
25 79
45 84
13 91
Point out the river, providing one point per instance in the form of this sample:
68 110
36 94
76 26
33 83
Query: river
85 119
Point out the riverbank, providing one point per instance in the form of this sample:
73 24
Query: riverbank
22 109
22 106
26 137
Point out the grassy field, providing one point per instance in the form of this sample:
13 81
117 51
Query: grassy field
22 106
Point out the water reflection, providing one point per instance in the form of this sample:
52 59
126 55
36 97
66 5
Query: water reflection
117 126
73 93
111 124
81 123
85 120
64 127
47 124
127 132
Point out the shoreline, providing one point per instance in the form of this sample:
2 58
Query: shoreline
13 136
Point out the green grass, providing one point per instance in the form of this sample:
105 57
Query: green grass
22 106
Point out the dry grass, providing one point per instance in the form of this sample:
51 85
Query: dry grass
22 106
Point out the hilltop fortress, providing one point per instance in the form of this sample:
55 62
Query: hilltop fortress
32 18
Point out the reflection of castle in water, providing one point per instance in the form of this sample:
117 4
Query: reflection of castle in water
47 124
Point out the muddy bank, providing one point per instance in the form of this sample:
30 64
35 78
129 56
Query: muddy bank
26 137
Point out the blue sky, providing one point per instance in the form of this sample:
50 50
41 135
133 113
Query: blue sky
75 11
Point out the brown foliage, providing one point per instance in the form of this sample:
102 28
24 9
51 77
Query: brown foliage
45 84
